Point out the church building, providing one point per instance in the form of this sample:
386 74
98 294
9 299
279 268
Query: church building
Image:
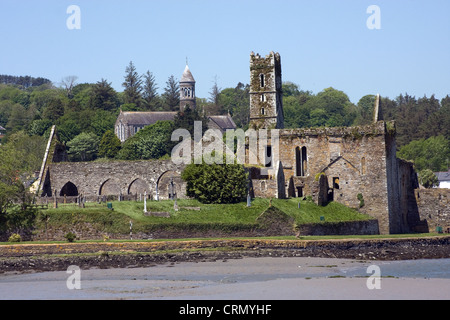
128 123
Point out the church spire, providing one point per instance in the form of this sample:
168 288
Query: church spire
187 89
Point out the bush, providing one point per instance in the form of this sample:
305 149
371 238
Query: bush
15 237
216 183
70 237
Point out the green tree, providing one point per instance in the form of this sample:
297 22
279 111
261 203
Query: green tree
216 183
14 201
236 101
171 95
150 94
83 147
103 96
186 119
109 145
152 142
428 179
132 85
432 153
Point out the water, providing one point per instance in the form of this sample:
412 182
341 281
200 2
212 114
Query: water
248 278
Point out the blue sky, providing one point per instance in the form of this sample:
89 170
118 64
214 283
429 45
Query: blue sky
324 43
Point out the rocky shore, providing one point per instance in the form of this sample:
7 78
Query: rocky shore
57 257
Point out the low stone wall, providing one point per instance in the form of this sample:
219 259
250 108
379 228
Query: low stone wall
367 227
434 207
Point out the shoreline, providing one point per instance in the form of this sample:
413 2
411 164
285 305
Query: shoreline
23 258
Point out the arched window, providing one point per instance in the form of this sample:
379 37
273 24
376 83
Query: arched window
261 78
263 98
301 161
263 111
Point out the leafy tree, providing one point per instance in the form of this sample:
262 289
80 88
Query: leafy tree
103 96
83 147
186 119
236 101
171 95
215 183
109 145
428 179
54 109
366 107
15 169
132 85
152 142
432 153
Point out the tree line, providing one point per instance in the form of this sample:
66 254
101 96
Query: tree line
85 114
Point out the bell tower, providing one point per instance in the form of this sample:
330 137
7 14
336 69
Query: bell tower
187 90
266 98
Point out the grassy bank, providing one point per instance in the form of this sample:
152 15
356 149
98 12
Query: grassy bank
192 215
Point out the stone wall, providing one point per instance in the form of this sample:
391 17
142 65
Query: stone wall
434 207
113 178
369 227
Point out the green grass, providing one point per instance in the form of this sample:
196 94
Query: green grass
225 217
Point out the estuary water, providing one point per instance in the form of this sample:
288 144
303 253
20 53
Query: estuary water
280 278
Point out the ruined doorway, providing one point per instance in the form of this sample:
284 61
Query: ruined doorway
69 190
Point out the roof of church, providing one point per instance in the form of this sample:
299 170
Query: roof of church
145 118
225 122
187 75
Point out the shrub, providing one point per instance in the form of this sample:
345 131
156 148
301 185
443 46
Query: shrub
70 237
15 237
216 183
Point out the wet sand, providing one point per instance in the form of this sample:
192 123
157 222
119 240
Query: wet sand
264 278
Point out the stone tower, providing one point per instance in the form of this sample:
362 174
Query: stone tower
187 90
266 99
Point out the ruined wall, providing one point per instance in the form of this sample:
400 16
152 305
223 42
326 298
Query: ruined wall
434 207
114 177
353 159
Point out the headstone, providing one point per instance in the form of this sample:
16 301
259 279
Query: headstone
249 200
175 204
145 201
157 195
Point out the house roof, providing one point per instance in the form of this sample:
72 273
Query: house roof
2 129
443 176
145 118
224 122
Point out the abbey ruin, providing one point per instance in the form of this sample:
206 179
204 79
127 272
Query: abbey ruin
355 166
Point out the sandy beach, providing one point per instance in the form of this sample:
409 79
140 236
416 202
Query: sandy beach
264 278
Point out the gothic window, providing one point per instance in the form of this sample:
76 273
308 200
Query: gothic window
268 157
261 78
301 161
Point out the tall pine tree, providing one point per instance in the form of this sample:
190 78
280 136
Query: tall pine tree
133 86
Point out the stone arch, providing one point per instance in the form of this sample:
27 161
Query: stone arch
164 184
138 186
109 187
69 189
